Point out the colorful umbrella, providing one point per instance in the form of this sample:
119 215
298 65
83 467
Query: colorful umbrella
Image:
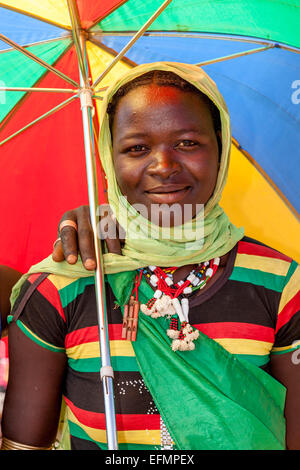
50 50
251 50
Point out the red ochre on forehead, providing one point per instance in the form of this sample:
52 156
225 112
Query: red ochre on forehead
157 93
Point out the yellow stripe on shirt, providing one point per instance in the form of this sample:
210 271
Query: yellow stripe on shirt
262 263
245 346
91 349
61 281
290 290
140 436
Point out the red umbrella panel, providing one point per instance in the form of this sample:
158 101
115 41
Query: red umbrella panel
46 165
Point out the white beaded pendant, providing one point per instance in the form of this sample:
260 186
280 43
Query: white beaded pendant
162 307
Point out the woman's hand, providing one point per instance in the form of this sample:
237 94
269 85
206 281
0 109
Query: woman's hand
73 242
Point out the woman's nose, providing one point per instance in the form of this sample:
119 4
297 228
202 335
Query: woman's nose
163 163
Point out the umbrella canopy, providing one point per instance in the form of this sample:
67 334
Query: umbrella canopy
249 48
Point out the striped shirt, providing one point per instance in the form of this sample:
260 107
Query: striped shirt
252 310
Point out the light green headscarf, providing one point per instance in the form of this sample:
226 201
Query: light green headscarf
183 244
180 247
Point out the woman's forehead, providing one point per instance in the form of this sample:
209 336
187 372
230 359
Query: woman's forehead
155 93
153 100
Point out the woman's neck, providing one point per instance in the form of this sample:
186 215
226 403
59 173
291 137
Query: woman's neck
183 272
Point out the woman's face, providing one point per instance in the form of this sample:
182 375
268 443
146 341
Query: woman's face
165 151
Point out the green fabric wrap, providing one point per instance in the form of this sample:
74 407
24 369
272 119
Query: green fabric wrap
208 398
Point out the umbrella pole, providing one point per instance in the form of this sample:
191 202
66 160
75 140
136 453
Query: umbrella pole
87 107
106 371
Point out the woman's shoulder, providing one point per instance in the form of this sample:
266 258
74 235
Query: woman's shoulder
57 289
252 247
258 263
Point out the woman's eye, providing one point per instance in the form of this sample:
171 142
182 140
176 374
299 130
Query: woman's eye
186 143
137 148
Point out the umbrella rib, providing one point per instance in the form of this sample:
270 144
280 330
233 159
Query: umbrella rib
180 34
37 43
40 118
100 90
111 51
237 54
223 37
17 106
266 177
46 90
38 60
132 41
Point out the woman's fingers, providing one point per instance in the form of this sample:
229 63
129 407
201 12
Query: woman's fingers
86 238
66 245
108 230
77 240
69 243
72 241
113 246
58 252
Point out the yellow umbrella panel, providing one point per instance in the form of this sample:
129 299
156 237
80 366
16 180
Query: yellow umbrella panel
250 201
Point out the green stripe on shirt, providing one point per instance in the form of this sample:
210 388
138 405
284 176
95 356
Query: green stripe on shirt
70 292
118 363
36 339
259 278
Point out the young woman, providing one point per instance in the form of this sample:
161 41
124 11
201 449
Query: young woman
214 363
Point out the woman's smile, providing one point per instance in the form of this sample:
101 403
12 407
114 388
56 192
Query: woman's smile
165 148
168 194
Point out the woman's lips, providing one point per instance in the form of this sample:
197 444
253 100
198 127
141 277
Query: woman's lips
168 194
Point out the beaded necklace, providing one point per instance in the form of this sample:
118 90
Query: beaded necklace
170 300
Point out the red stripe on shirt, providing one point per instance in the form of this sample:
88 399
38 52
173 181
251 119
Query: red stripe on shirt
236 330
213 330
288 311
83 335
49 291
124 422
90 334
259 250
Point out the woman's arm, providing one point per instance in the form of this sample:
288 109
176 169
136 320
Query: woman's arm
33 398
286 369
